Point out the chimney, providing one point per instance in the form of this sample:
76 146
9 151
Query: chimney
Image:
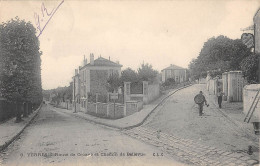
109 58
76 71
85 61
117 62
91 59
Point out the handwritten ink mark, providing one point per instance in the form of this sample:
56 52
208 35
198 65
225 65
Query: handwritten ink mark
45 11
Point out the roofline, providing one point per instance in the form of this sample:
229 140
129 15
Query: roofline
174 69
88 65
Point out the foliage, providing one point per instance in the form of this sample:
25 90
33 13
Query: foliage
129 75
169 82
147 73
144 73
100 98
219 53
249 66
114 82
20 61
60 94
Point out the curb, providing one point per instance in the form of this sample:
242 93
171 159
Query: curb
2 147
239 128
138 124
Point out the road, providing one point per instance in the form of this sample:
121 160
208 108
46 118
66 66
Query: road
179 117
55 138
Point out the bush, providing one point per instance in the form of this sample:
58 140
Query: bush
169 82
249 66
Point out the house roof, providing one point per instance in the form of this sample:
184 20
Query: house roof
103 62
172 66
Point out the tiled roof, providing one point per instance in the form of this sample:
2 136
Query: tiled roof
172 66
104 62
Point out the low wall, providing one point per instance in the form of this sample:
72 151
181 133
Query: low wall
117 111
102 109
136 97
133 107
106 110
249 93
153 92
66 105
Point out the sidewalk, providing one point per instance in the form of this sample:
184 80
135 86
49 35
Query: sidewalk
234 113
11 130
127 122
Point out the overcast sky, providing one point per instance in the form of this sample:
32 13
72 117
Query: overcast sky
156 32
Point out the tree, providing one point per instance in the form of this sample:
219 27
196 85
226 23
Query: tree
129 75
19 47
249 66
147 73
114 82
219 53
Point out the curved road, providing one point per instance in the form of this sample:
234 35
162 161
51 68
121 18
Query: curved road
55 138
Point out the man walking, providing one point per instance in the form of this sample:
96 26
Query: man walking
220 94
200 100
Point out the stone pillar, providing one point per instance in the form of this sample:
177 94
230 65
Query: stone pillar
108 107
145 92
225 85
235 86
208 78
257 37
126 91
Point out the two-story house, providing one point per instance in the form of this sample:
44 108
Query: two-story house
91 78
175 72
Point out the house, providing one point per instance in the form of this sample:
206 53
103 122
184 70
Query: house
175 72
91 78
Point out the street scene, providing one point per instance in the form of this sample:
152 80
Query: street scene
129 83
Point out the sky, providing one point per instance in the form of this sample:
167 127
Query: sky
132 32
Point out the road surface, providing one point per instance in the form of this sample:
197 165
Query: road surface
55 138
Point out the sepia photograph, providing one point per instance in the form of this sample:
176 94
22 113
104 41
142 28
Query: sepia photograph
129 82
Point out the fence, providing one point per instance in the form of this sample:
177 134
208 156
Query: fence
10 109
65 105
133 107
106 110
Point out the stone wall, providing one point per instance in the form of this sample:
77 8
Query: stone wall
106 110
249 93
153 92
149 92
133 107
231 84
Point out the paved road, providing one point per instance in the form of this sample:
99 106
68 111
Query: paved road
77 142
178 116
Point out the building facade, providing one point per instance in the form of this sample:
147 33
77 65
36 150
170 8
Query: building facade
91 78
175 72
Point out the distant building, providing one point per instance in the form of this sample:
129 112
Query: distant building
92 78
175 72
